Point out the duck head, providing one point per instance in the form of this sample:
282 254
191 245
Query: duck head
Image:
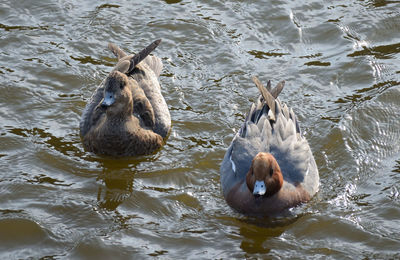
264 177
117 96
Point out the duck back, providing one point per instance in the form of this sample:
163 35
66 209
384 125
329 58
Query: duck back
275 131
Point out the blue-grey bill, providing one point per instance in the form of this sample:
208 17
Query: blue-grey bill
259 188
109 99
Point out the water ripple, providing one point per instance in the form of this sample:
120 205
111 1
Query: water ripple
340 63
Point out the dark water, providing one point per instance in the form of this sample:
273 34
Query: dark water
340 60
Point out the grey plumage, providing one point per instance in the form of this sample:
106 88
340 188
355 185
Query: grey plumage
279 135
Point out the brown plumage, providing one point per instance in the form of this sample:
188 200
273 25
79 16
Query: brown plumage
264 168
115 131
127 115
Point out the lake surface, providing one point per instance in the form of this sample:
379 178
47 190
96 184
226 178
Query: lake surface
341 64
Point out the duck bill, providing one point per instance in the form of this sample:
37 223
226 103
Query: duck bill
108 100
259 188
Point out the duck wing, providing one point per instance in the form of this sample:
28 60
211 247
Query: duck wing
277 133
88 113
155 64
147 79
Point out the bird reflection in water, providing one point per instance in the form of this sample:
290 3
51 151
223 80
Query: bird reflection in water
257 233
116 184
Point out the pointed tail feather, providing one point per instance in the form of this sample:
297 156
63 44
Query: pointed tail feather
142 55
268 98
277 90
269 86
116 51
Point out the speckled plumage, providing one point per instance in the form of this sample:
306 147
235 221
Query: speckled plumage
138 119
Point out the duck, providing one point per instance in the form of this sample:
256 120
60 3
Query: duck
127 114
269 167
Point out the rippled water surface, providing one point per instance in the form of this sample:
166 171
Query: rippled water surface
340 60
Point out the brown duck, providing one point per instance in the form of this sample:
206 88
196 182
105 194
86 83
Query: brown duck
127 114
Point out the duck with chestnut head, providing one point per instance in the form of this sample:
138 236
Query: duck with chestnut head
268 167
127 114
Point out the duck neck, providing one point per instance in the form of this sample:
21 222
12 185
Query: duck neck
118 118
275 183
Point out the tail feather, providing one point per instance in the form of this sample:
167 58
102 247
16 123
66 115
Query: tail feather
116 51
126 63
269 86
277 90
137 58
268 98
269 95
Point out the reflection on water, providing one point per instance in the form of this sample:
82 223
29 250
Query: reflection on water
257 233
340 64
116 185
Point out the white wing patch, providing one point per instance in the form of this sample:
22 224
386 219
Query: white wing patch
233 164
